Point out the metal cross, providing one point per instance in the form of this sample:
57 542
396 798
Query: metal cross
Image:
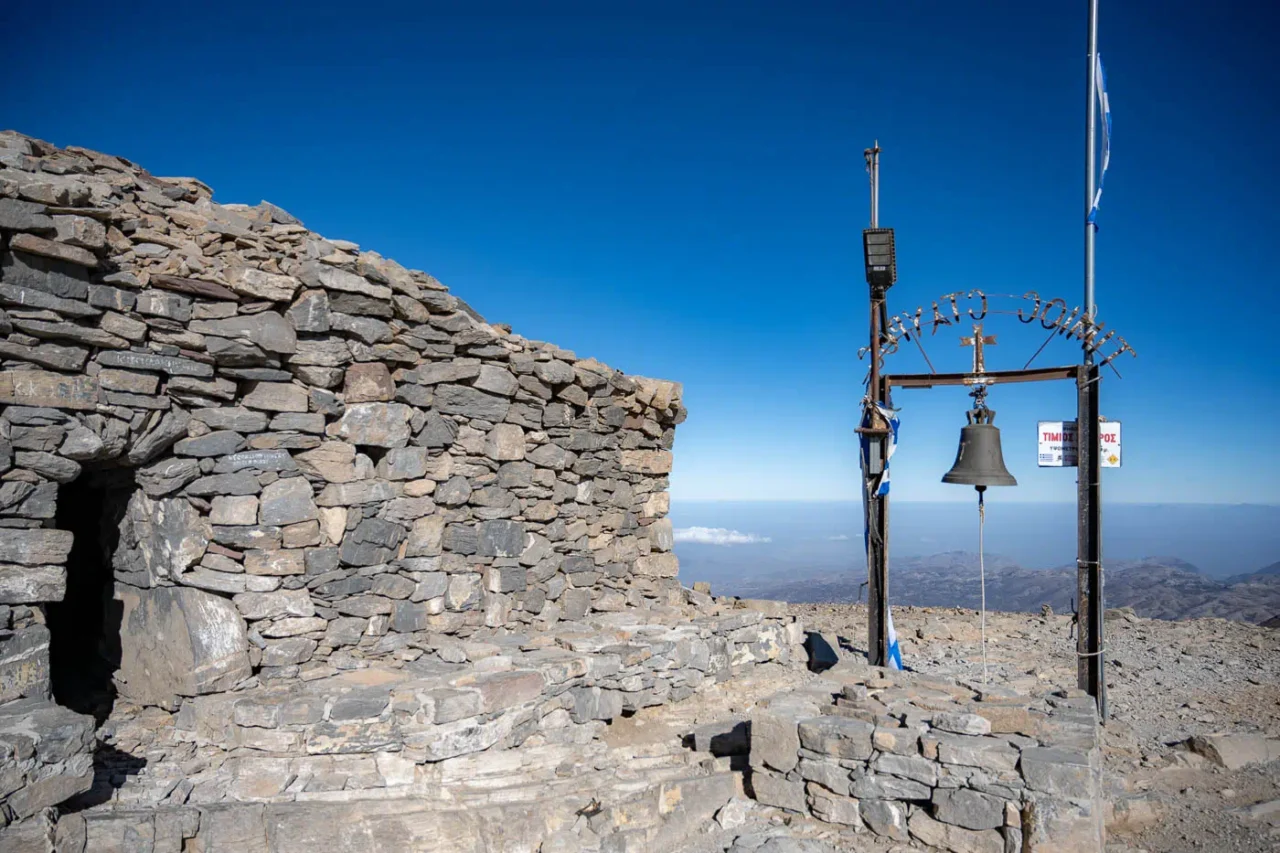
979 363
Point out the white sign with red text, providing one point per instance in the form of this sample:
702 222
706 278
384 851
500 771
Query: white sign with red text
1057 444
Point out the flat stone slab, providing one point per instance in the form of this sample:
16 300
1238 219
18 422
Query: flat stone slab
1234 751
48 749
179 641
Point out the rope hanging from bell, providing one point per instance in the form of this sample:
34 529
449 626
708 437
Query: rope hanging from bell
980 463
982 576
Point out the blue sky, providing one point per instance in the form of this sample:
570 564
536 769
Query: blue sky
678 190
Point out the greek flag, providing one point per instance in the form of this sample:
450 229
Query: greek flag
881 486
895 654
1105 106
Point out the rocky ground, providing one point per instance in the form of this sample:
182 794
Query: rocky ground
1166 682
743 826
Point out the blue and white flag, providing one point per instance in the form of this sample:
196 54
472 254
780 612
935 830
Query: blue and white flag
895 654
1104 106
881 486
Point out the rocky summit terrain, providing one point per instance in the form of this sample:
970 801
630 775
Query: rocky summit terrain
1189 748
1171 687
1155 587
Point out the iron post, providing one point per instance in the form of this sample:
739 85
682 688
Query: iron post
877 506
1090 666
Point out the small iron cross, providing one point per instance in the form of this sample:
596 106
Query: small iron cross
979 363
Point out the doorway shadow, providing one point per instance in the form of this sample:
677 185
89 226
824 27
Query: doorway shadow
111 770
84 628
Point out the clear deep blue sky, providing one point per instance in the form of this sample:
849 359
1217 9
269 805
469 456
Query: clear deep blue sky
678 190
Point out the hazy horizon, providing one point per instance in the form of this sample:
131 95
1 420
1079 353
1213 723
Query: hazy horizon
724 541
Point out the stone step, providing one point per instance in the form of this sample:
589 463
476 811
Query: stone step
496 775
46 754
654 818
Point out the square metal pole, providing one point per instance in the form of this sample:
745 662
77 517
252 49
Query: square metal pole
877 591
878 553
877 506
1090 663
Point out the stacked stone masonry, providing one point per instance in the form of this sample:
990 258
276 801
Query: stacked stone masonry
417 731
316 464
956 767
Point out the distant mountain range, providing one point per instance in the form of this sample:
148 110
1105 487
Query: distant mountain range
1155 587
1261 575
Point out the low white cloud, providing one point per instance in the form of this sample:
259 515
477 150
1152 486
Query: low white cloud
843 537
718 536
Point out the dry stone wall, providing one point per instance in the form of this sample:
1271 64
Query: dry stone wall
325 458
962 768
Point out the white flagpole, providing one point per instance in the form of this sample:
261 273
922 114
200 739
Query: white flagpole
1090 166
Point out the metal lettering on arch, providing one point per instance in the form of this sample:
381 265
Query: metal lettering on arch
951 309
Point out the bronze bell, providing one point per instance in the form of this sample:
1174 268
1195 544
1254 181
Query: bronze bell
979 461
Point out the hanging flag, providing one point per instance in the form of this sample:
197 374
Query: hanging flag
881 486
1104 106
895 654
